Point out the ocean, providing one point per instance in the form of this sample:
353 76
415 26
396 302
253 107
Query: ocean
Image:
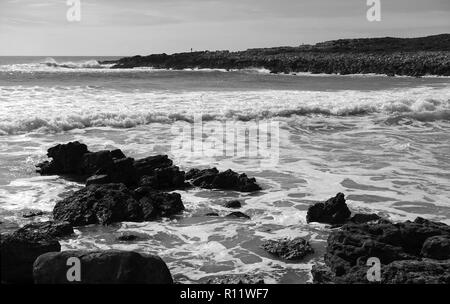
382 141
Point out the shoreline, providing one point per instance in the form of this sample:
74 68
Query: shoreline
414 57
122 189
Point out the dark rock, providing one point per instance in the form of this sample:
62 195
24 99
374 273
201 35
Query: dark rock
157 204
21 248
437 247
66 159
117 154
147 166
322 274
165 179
104 204
350 247
109 203
416 272
41 230
96 161
227 180
238 214
333 211
360 218
236 279
233 204
196 173
102 267
123 171
295 249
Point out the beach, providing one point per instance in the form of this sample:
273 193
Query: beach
383 141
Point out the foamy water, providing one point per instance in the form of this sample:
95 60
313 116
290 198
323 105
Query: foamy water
384 142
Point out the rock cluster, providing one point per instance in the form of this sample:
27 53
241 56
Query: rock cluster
119 188
409 252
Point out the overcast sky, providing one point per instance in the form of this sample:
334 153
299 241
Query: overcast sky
129 27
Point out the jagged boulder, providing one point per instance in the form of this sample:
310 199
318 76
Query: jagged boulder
402 248
21 248
288 249
166 178
227 180
102 267
333 211
66 159
109 203
147 166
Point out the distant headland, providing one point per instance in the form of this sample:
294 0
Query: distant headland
390 56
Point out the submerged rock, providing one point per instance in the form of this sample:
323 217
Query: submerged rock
102 267
287 249
21 248
402 248
233 204
227 180
109 203
333 211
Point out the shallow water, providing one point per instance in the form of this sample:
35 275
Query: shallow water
384 142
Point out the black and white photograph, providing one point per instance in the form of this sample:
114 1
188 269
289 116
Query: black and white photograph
225 147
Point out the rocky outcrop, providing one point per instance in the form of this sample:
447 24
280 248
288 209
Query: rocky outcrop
333 211
66 159
436 247
288 249
109 203
226 180
102 267
404 250
166 178
21 248
389 56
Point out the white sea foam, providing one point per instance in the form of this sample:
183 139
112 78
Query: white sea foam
55 109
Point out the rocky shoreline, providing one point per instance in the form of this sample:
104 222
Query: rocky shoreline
388 56
119 188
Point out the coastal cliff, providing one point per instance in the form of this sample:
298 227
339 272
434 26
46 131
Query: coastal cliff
390 56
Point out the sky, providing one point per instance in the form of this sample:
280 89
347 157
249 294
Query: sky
130 27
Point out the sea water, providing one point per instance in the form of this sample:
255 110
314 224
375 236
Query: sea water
383 141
